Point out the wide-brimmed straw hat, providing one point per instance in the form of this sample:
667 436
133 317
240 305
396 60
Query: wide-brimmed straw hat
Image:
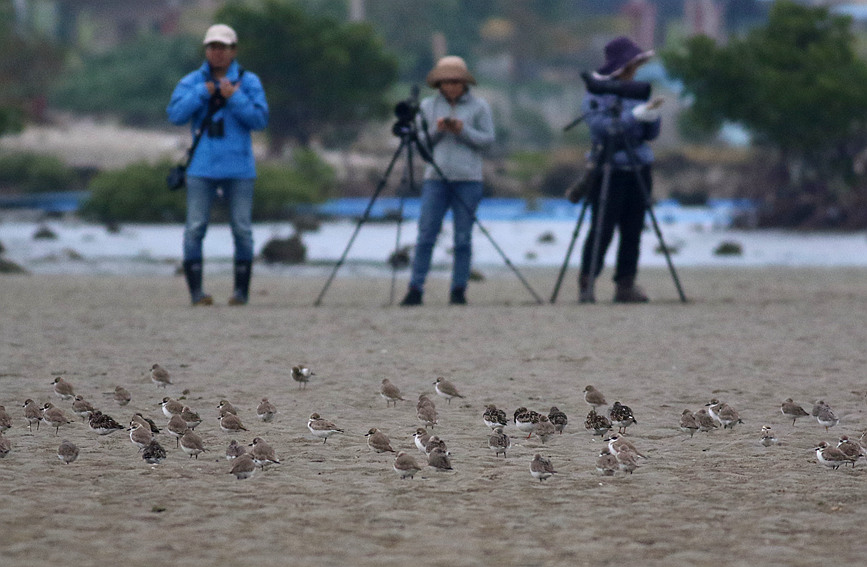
221 33
619 54
450 68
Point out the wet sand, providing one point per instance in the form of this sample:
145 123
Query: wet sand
749 337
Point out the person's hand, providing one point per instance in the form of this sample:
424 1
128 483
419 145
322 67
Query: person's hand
655 103
453 125
227 89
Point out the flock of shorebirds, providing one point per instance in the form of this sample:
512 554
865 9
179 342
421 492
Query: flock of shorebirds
619 454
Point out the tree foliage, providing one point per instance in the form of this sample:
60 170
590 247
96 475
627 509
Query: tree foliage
27 66
132 82
795 83
320 75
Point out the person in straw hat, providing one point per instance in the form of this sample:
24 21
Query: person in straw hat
462 129
224 156
625 206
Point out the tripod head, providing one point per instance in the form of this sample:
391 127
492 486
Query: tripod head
405 111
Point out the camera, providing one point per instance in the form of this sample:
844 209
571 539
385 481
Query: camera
625 89
405 111
217 128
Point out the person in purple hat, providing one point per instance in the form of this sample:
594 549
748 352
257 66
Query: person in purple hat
626 202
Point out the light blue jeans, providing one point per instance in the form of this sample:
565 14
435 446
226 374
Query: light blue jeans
201 192
462 197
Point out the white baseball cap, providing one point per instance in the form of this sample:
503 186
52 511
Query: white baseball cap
221 33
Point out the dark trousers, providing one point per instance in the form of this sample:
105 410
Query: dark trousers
624 210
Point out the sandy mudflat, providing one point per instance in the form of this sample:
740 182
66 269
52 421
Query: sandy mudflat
749 337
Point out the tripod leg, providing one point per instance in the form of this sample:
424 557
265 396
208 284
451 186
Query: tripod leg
569 251
407 181
649 207
601 206
361 221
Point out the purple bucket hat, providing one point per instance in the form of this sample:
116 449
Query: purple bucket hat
619 53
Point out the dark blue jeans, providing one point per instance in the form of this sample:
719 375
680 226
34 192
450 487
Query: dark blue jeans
624 210
462 197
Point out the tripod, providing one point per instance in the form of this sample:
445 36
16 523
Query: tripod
406 129
616 136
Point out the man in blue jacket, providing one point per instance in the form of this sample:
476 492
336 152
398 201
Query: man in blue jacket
223 160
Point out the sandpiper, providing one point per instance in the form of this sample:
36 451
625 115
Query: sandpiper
826 417
544 429
160 376
121 395
597 423
688 422
606 463
494 417
541 468
499 442
153 452
103 424
705 421
67 452
266 410
526 420
234 450
81 407
558 418
427 414
301 374
621 416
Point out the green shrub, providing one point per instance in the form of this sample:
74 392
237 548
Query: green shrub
34 173
138 193
135 193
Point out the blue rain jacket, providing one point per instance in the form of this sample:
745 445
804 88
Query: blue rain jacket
231 156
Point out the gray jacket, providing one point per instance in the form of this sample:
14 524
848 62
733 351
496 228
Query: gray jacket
458 156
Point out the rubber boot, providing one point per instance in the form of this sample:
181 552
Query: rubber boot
585 290
627 292
243 272
458 296
412 298
193 274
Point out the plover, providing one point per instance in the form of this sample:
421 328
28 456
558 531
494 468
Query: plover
705 422
618 442
321 428
153 453
688 422
439 459
67 452
103 424
768 437
225 407
191 444
192 418
234 450
541 468
121 395
792 410
727 416
171 407
427 414
243 467
5 419
434 442
544 429
140 435
826 417
621 416
627 461
606 463
160 376
32 413
851 449
390 392
5 446
146 422
63 389
831 456
378 441
594 397
263 453
494 417
421 437
176 428
301 374
405 465
558 418
446 389
231 423
597 423
81 407
424 401
499 442
54 416
266 410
